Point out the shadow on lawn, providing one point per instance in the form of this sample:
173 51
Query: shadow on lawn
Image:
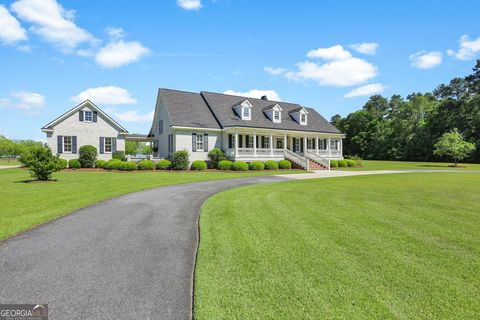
36 181
440 166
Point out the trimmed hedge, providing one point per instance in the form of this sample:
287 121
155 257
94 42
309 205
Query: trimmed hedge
87 155
164 164
62 164
333 163
180 160
215 156
351 163
74 164
146 165
128 166
284 164
113 164
342 163
257 165
271 165
240 166
199 165
119 155
225 165
100 164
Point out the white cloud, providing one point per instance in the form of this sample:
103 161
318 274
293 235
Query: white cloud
468 48
119 53
53 23
115 33
189 4
365 47
109 95
275 71
10 29
367 90
332 53
338 73
30 103
133 116
426 60
255 93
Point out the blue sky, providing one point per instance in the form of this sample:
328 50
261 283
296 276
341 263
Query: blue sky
330 55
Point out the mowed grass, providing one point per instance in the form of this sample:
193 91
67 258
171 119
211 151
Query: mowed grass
402 246
9 162
411 165
24 205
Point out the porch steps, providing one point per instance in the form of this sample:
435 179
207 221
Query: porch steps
312 165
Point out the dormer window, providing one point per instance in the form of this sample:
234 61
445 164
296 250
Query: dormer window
303 118
299 115
276 115
244 110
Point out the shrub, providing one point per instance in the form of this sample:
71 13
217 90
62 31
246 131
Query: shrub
164 164
271 165
257 165
40 162
199 165
146 165
284 164
100 164
74 164
358 160
61 164
342 163
225 165
351 163
87 156
128 166
240 166
180 160
114 164
215 156
119 155
333 163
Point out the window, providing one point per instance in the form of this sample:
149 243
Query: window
334 144
250 142
67 144
108 145
88 116
276 115
199 139
297 144
266 142
279 144
160 127
303 118
246 112
309 143
322 144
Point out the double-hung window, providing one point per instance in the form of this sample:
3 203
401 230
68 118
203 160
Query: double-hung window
87 116
250 142
322 144
246 112
67 144
199 141
303 118
276 115
266 142
309 144
334 144
108 145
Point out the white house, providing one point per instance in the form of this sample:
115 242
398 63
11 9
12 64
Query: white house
246 129
85 124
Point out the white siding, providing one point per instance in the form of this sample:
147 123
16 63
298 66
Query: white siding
87 133
183 141
162 139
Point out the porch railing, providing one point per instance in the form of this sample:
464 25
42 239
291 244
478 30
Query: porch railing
318 159
249 152
299 160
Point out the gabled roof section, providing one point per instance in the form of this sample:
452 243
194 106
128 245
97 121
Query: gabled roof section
297 110
188 109
245 103
83 104
273 106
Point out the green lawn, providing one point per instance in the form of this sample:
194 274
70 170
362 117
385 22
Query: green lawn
9 162
403 246
24 205
408 165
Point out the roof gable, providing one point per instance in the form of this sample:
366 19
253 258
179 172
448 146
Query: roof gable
91 105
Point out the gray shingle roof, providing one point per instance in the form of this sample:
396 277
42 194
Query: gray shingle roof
215 110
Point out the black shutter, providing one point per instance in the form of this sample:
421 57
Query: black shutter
114 145
194 142
205 142
94 116
59 144
263 142
240 141
74 144
301 144
257 140
230 137
102 142
80 115
314 141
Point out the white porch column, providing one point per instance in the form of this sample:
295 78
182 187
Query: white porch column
316 144
341 146
254 144
329 152
271 144
305 144
236 145
284 141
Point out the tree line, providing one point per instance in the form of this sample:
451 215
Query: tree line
408 128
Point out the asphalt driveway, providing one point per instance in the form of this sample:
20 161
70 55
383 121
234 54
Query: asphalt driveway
127 258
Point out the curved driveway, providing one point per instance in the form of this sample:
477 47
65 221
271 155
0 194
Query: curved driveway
131 257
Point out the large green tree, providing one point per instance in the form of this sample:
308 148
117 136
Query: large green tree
452 145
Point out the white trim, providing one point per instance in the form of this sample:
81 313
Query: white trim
195 128
63 144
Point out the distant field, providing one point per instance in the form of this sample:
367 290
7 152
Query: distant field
410 165
9 162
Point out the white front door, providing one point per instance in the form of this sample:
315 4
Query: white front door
296 147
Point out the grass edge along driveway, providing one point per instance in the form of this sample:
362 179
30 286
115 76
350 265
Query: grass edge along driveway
26 205
367 247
